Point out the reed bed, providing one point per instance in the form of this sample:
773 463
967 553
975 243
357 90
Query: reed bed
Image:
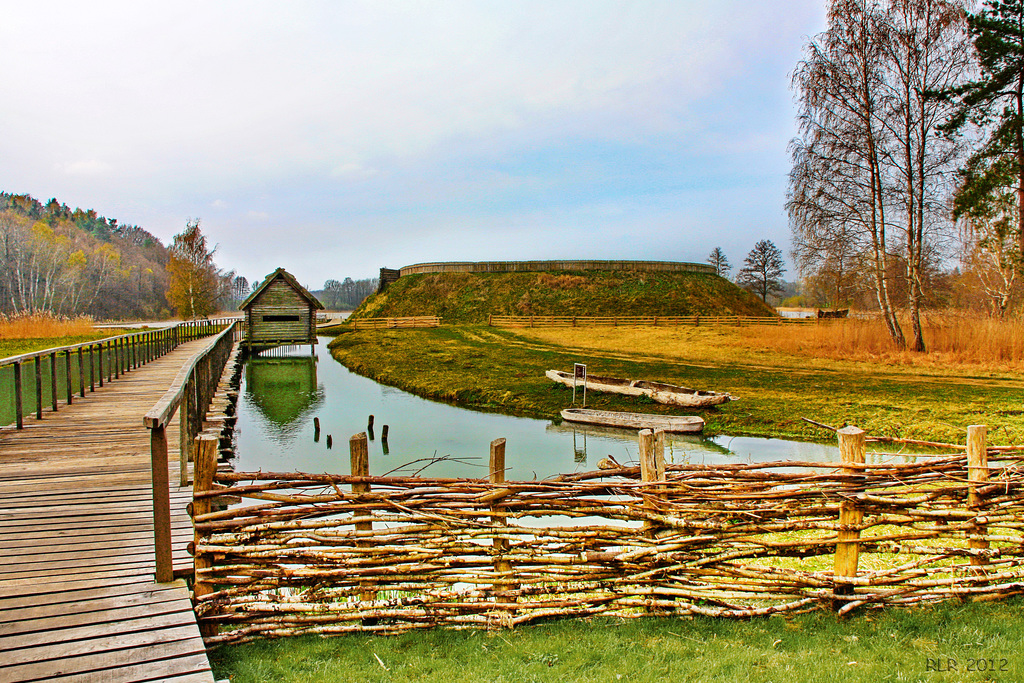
950 338
43 326
304 553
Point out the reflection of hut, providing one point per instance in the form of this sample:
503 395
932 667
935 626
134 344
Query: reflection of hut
284 390
280 312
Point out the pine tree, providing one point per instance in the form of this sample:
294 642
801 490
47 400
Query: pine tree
718 260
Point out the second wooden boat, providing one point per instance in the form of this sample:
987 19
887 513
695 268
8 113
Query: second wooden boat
662 392
690 424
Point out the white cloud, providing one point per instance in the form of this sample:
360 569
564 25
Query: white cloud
88 167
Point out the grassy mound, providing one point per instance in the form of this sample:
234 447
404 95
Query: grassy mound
471 297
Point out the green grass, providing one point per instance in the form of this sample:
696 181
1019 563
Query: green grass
503 370
470 297
891 645
16 347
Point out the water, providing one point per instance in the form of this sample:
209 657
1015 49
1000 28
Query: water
280 396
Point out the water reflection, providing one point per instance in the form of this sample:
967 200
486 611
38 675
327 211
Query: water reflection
281 396
284 392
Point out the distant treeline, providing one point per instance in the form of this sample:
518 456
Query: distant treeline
72 262
347 294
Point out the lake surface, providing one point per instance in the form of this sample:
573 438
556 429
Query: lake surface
281 395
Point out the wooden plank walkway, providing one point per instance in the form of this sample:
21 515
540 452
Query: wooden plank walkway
77 597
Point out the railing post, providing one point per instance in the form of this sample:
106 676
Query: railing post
359 454
99 365
81 372
37 366
205 469
116 360
161 505
53 380
977 473
67 375
852 451
186 409
18 408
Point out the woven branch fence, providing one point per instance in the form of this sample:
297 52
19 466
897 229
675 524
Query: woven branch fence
303 553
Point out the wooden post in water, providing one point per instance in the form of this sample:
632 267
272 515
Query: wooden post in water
977 473
204 471
852 451
359 454
161 505
18 409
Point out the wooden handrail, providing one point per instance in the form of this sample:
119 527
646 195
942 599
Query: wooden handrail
163 410
191 391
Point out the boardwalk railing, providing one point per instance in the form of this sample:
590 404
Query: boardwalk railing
640 321
189 395
322 553
51 378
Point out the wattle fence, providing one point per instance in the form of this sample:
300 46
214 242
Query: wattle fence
303 553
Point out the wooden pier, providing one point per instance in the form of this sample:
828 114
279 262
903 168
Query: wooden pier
78 601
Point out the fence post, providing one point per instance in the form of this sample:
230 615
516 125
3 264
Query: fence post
161 505
204 471
500 545
81 373
99 363
652 468
977 473
851 449
359 454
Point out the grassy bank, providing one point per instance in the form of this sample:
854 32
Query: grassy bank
894 645
503 370
470 297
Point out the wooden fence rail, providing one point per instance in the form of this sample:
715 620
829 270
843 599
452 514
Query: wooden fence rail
392 323
642 320
321 553
189 395
55 375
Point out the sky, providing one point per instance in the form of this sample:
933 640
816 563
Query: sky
335 137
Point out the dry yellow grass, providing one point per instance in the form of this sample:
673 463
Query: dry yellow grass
43 326
952 340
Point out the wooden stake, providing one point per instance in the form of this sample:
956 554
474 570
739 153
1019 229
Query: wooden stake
53 380
977 473
37 365
852 451
500 545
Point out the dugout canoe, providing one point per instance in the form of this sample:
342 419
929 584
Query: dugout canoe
684 424
662 392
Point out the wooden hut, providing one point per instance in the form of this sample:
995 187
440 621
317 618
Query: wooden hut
279 312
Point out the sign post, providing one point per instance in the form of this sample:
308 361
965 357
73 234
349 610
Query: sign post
579 374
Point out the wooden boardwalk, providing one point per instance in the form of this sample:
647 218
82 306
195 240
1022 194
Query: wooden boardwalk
77 597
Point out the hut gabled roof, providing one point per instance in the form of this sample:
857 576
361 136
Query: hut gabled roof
292 282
